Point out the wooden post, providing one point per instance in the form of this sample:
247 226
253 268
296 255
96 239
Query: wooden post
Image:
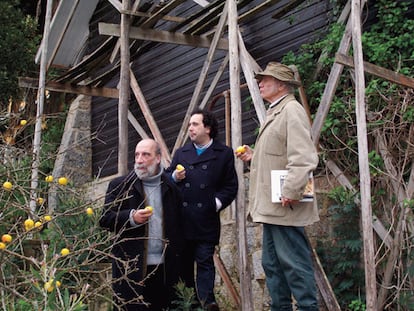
365 182
236 133
124 92
40 104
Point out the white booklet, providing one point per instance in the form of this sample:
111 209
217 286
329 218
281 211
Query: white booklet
276 183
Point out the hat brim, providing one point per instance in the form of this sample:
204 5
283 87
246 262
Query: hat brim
259 76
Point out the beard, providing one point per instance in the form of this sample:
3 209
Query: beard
143 171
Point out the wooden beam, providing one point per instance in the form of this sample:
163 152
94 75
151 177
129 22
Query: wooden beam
156 16
161 36
377 71
152 124
365 178
124 91
214 82
174 19
256 9
32 83
378 226
218 263
116 4
236 134
249 67
330 87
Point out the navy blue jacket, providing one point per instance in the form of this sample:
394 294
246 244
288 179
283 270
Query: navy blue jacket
208 176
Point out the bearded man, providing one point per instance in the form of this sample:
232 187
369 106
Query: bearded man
148 241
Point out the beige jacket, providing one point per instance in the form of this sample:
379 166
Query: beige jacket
284 143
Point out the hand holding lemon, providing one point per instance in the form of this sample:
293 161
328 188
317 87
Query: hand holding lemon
179 172
244 153
142 215
241 149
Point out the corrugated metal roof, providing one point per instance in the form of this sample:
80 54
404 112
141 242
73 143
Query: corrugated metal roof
69 31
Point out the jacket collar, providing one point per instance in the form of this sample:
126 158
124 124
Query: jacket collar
274 111
190 153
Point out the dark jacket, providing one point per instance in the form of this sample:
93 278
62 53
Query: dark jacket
208 176
123 195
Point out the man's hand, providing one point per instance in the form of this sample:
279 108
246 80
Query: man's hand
289 202
179 172
141 216
244 153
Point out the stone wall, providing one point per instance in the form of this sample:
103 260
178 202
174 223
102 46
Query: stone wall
74 158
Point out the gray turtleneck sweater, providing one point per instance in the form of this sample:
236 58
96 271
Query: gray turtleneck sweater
152 188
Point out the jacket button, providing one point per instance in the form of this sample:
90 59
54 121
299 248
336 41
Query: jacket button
187 185
191 167
202 186
199 204
185 204
204 167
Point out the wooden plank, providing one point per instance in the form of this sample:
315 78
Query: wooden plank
323 284
256 9
303 98
201 80
249 67
162 36
116 4
226 279
236 133
146 111
379 228
134 122
174 19
34 180
365 179
214 82
69 88
321 279
330 87
396 182
124 92
166 8
377 71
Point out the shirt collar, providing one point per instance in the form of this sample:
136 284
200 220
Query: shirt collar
277 101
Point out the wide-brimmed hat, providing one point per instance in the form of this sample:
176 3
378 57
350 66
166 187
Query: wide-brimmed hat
278 71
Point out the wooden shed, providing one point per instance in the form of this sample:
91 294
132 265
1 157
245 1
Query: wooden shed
184 54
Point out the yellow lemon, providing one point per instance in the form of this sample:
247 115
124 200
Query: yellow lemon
6 238
49 286
7 185
241 149
58 283
49 178
149 208
29 224
2 245
64 252
23 122
89 211
40 201
38 224
47 218
63 181
179 167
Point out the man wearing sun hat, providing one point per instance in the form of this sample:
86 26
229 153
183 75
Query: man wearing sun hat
283 143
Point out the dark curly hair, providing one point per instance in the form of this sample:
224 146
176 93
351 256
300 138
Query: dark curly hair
209 120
